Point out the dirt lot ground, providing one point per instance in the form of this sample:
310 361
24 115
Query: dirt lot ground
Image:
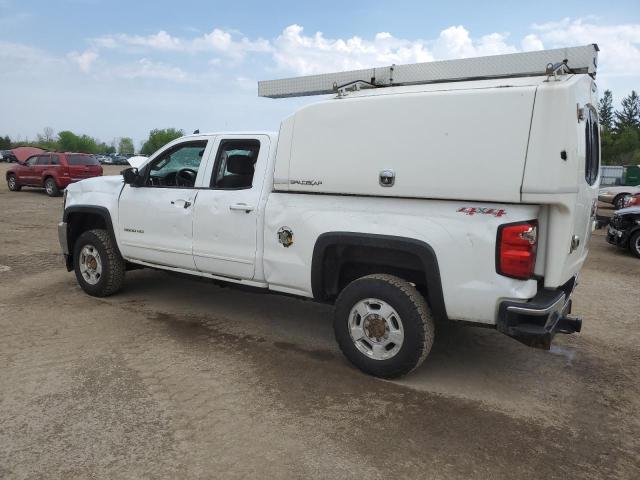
174 378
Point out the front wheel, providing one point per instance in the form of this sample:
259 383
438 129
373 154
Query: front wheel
51 188
383 325
12 183
98 266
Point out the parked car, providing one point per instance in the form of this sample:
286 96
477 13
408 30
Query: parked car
7 156
52 171
632 201
375 216
624 229
615 195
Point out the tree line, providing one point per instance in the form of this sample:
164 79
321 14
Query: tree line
620 129
67 141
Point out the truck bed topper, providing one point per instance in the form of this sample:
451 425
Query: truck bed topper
582 59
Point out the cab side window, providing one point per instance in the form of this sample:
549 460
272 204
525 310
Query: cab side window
32 161
235 164
43 160
177 167
55 160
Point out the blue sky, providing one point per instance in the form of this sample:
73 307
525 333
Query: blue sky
116 68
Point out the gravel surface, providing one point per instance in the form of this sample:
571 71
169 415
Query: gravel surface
178 378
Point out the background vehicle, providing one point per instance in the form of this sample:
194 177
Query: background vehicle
624 229
52 171
7 156
616 195
632 201
373 216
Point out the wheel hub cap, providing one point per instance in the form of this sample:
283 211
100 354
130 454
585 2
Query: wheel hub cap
90 264
376 329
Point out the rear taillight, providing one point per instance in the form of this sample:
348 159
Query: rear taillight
516 253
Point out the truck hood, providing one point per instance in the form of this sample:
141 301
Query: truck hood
106 184
628 211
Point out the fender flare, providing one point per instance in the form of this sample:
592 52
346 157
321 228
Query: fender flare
421 249
102 212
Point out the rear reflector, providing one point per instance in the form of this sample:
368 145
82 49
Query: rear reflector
516 249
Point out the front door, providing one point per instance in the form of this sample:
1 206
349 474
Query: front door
27 172
226 213
155 219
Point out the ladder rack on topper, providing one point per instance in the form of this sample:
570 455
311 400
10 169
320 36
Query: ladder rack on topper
582 59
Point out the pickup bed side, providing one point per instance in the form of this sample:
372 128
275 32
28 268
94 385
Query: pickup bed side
463 243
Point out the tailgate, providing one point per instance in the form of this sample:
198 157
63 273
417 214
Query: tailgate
83 166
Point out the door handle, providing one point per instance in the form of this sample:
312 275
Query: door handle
187 204
241 206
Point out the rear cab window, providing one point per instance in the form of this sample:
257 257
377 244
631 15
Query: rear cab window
235 164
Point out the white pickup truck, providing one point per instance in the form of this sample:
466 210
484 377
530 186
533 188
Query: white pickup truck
447 191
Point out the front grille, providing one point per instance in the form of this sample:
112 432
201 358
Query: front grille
616 221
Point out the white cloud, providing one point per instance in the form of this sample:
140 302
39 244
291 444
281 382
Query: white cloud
456 42
301 54
619 44
229 43
145 68
84 60
531 42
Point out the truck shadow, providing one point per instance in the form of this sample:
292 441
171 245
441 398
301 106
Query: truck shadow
466 362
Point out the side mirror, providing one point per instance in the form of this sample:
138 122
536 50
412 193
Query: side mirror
131 176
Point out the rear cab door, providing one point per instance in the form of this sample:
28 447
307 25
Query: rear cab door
229 211
27 173
42 164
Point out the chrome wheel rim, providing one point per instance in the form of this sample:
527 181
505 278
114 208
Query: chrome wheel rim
90 264
12 182
48 187
376 329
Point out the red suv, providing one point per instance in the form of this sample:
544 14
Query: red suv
53 171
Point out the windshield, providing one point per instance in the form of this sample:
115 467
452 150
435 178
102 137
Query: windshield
82 160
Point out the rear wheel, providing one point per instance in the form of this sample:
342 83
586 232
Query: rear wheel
634 244
12 183
51 188
383 325
98 266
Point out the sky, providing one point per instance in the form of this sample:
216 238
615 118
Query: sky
121 68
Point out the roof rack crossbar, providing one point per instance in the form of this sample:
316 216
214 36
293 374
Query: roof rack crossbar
582 59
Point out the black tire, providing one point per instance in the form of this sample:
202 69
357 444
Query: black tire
413 311
111 278
12 183
51 188
618 201
634 244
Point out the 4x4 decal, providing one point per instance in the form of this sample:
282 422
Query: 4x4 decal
496 212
